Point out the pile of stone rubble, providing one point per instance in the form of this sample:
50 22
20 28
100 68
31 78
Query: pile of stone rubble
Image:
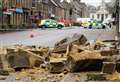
72 54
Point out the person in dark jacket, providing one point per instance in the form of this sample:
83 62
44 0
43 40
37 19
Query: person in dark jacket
90 26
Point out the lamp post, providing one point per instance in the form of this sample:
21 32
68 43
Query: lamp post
2 13
117 18
1 10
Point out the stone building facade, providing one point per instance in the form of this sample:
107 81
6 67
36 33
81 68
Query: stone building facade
102 13
20 13
79 10
63 9
16 13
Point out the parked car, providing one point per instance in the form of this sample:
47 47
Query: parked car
50 23
84 22
66 21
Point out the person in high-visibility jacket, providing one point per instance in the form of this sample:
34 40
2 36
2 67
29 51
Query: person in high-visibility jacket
90 25
94 24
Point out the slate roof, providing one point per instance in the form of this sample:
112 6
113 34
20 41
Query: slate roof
58 3
54 3
63 4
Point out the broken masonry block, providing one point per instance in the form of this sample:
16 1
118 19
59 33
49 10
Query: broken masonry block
108 67
118 67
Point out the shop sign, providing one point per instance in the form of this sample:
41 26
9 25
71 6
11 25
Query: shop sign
7 13
19 10
11 10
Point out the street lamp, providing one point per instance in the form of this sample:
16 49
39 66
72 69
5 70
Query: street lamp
1 10
2 13
117 17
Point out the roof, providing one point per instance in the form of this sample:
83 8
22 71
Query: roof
59 3
92 9
54 2
102 12
65 5
77 5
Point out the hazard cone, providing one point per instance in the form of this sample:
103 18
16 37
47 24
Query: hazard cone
31 36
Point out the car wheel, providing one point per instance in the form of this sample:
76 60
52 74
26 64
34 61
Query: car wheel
60 27
43 27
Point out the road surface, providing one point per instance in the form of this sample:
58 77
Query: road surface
48 37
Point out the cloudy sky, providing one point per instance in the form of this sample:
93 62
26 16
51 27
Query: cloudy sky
94 2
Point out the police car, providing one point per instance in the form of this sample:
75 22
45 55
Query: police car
50 23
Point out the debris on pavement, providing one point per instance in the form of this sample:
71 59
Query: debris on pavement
114 76
85 60
4 72
109 67
70 55
61 46
96 77
31 57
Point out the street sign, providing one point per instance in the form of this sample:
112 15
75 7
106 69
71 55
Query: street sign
7 13
11 10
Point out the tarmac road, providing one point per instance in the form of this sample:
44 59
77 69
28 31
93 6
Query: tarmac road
49 37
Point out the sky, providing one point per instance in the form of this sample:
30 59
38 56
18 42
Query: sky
94 2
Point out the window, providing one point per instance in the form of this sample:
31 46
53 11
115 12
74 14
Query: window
93 16
98 16
70 12
102 17
33 3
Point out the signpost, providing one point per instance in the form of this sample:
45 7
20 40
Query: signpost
1 13
0 8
